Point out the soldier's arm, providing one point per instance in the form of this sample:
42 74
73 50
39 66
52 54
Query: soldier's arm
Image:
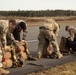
10 35
71 38
3 39
56 29
24 34
26 30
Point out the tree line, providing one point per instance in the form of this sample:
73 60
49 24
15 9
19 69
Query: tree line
38 13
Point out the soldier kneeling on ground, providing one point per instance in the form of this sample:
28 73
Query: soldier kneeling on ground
49 30
48 51
71 40
16 28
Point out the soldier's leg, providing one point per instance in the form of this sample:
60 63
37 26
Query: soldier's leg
41 43
27 48
53 40
56 49
2 71
40 49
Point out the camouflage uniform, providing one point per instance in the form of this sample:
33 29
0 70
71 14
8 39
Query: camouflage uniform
3 31
10 38
1 56
17 31
71 40
15 34
72 34
49 30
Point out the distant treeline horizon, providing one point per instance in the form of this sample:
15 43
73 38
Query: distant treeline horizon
38 13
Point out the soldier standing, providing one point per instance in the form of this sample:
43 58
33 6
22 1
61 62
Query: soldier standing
49 30
3 31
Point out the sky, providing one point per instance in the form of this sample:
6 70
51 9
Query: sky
37 4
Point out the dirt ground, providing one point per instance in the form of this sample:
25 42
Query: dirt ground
66 69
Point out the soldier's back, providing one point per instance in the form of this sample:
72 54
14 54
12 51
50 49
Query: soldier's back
4 25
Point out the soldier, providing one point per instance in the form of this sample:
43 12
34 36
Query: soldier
15 30
11 27
15 27
49 30
21 26
3 31
71 40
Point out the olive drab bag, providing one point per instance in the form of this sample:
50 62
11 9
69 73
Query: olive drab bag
15 56
47 50
20 54
7 61
63 48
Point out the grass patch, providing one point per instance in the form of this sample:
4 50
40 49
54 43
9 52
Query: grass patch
65 69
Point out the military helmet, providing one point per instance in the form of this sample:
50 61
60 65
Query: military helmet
22 25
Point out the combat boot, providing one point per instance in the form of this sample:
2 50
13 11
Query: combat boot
30 57
39 56
59 55
3 71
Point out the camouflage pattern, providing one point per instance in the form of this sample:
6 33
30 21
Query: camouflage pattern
49 30
1 56
3 30
72 33
10 38
2 71
47 49
17 32
51 25
18 21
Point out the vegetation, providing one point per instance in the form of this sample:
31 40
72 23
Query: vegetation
40 13
66 69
